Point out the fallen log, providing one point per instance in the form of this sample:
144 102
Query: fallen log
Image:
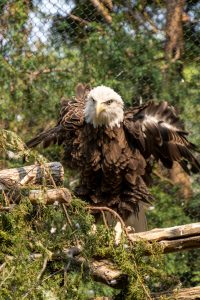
158 234
172 239
60 195
46 197
34 174
182 294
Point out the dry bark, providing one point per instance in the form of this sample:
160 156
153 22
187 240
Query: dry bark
60 195
102 270
170 233
45 197
35 174
182 294
102 10
174 30
172 239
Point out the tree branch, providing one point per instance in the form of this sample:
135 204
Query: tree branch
172 239
182 294
35 74
61 195
34 174
102 10
78 19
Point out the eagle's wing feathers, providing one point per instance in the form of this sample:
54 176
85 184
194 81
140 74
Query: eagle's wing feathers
71 118
156 130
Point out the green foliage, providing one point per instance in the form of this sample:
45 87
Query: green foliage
169 209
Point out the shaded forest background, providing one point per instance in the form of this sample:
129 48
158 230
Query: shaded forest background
142 49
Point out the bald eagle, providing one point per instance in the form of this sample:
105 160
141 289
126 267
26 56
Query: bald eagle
111 147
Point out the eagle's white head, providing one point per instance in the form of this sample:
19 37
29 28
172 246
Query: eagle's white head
104 107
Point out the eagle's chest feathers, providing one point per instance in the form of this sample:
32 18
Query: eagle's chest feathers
107 150
105 146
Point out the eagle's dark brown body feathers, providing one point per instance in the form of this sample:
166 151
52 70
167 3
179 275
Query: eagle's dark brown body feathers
112 161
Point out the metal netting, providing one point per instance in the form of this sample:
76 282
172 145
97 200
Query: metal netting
142 49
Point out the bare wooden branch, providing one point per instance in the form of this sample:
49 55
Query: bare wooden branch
34 174
61 195
159 234
46 197
102 270
102 10
78 19
6 208
182 294
172 239
174 30
35 74
108 4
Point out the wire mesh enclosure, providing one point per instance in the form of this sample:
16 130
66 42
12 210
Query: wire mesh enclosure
143 49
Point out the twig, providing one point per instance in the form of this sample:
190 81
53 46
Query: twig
35 74
150 21
104 219
2 266
35 285
6 208
43 268
78 19
26 179
64 209
9 274
116 215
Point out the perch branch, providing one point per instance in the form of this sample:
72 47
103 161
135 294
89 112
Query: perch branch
34 174
172 239
181 294
61 195
45 197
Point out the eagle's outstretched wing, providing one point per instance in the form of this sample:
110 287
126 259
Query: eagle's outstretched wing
156 129
70 120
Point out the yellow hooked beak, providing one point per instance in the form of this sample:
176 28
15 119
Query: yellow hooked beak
99 108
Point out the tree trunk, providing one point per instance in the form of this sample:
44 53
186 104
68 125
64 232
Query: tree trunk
174 48
174 30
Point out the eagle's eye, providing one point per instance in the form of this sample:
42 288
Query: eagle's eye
109 102
93 100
